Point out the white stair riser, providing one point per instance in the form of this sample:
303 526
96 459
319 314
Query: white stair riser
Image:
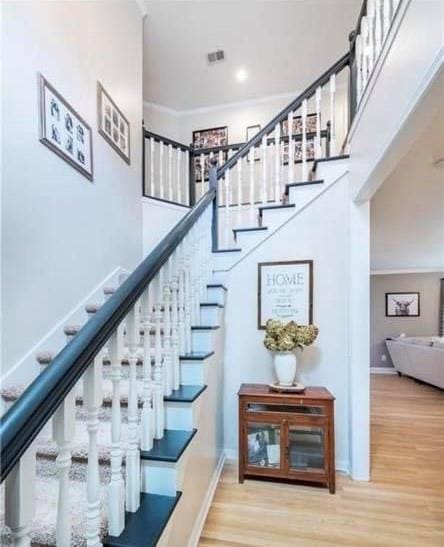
202 340
210 315
160 477
219 276
329 171
247 240
180 415
193 373
223 261
301 195
273 218
216 294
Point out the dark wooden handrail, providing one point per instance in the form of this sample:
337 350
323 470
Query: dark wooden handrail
294 105
166 140
29 414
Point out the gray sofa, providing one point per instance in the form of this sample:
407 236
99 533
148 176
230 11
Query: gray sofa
419 357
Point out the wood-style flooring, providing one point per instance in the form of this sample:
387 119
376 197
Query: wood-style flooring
402 506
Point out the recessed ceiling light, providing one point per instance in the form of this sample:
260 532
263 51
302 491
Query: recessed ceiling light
241 75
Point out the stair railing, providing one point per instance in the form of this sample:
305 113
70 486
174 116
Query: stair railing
135 323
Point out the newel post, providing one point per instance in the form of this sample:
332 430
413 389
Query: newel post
213 184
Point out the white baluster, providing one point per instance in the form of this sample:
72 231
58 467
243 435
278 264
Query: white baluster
63 429
378 28
170 172
158 372
179 178
187 289
264 169
304 140
318 143
116 487
277 162
167 353
332 115
132 462
147 418
364 34
252 193
371 35
227 209
239 191
152 145
359 73
290 148
92 390
386 13
161 189
202 181
20 499
175 321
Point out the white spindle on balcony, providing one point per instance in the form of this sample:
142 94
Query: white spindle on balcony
179 177
152 147
332 115
277 162
132 462
161 182
304 140
318 141
239 192
170 172
252 193
227 209
264 170
291 147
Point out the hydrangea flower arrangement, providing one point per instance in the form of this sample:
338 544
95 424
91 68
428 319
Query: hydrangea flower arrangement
287 337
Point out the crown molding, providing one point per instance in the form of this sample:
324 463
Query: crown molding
222 106
143 6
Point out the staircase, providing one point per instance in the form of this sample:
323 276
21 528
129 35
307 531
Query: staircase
117 439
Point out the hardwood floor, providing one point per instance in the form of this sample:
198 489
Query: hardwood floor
403 505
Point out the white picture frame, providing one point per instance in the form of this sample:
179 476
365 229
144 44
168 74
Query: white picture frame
285 292
113 125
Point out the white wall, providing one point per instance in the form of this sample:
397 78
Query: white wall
325 363
62 234
407 212
158 219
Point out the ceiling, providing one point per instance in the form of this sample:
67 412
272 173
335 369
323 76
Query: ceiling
282 44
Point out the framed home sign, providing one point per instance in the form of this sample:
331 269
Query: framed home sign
63 131
285 292
113 126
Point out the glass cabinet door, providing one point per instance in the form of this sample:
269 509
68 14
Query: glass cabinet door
306 448
263 445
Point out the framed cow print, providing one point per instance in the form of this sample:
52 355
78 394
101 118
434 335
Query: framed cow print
402 304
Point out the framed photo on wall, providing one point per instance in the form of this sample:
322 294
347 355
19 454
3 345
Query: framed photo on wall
113 125
402 304
285 292
210 138
252 130
64 131
297 125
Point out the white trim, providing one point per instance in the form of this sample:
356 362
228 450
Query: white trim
393 32
206 504
342 466
439 270
383 370
143 6
26 369
222 106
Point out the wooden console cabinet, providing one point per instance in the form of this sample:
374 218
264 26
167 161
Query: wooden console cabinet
287 436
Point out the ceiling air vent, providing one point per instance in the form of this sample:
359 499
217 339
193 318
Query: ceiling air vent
216 57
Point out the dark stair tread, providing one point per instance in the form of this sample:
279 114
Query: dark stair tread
185 394
271 207
332 158
217 286
205 327
170 447
252 229
211 305
227 251
197 356
145 526
304 183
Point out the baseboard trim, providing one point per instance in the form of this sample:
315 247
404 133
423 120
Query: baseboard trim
342 466
382 370
25 369
206 504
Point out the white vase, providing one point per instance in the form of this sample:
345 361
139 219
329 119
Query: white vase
285 367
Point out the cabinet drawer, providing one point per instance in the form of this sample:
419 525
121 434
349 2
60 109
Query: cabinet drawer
304 409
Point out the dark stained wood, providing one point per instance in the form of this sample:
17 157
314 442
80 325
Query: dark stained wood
287 411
